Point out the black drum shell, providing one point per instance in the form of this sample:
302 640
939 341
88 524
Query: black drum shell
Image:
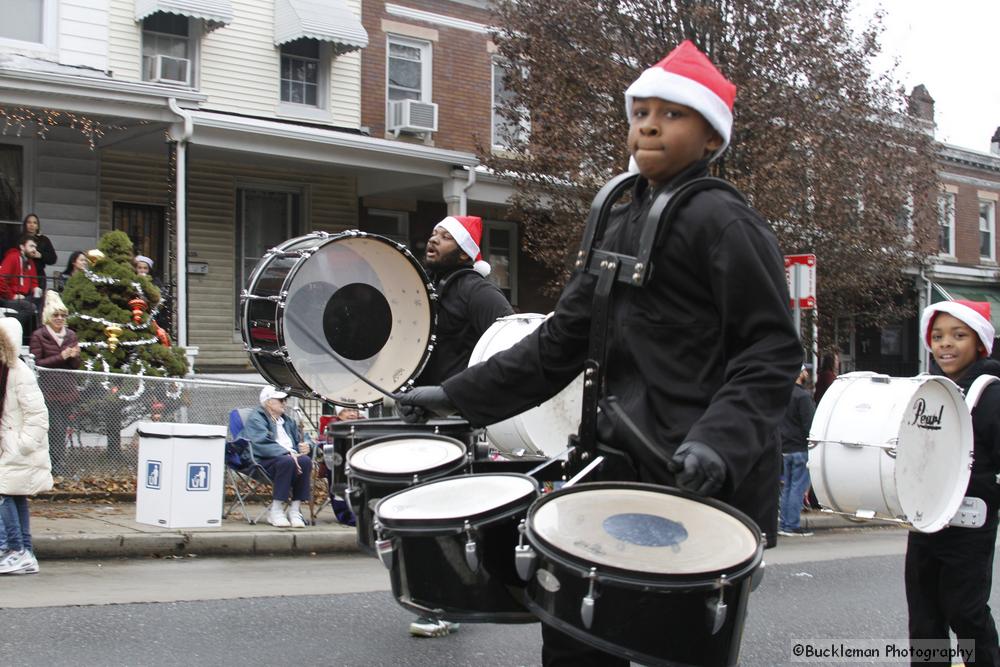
365 488
652 620
429 568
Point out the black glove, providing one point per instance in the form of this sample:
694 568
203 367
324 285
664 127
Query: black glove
699 469
421 403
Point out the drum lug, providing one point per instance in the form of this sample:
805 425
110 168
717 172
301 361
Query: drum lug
471 549
525 561
717 609
757 576
589 600
383 547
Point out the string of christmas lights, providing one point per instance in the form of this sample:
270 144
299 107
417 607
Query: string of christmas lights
40 122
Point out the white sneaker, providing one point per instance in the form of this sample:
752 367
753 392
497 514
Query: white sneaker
14 561
30 567
296 520
278 519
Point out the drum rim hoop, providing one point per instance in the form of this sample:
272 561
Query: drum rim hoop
637 579
376 422
436 471
454 525
304 390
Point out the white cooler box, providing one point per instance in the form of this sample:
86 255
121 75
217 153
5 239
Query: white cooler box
181 474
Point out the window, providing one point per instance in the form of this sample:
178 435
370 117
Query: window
946 220
144 225
168 49
392 224
266 217
987 228
408 74
300 72
499 248
506 132
11 183
28 21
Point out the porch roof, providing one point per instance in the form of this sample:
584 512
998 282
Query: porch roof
325 20
214 12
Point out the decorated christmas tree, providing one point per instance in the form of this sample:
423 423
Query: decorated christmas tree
113 310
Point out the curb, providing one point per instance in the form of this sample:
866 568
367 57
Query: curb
145 545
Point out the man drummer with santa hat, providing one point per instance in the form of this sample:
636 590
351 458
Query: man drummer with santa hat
949 573
468 304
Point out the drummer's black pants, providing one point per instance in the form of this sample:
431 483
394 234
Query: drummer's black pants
561 650
949 575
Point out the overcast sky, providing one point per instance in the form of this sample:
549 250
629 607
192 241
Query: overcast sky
952 47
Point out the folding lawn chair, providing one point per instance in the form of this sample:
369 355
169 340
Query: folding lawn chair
243 473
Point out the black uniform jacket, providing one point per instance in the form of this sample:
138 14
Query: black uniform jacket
705 351
468 304
985 451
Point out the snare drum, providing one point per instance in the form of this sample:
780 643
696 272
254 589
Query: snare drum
449 545
356 297
381 466
892 448
342 436
644 572
543 430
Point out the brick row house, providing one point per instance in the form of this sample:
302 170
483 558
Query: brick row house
211 130
965 267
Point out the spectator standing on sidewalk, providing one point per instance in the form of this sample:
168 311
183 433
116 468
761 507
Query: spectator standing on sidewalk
278 447
55 345
795 454
24 462
46 253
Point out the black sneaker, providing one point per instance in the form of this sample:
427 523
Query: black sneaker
798 532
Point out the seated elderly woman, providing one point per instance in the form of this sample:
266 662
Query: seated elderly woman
278 448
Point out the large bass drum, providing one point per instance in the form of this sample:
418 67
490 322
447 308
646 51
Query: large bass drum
645 572
317 302
545 429
892 448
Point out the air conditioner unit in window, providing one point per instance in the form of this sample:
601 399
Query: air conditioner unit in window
412 116
167 69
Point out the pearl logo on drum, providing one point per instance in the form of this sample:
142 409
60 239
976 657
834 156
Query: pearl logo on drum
923 419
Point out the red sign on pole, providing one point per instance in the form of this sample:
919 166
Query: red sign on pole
800 272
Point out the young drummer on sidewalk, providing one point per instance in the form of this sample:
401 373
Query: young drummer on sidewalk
702 358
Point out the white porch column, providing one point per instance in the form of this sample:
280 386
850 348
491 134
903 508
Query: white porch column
181 133
453 191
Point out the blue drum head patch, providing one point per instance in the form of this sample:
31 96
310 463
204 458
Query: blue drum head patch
645 530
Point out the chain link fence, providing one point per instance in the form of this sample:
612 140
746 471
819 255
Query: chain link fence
94 418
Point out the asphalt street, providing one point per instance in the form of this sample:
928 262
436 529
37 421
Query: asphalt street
336 610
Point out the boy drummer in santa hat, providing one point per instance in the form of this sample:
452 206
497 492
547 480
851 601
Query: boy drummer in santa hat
702 358
949 573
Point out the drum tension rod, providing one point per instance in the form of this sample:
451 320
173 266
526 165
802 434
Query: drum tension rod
471 548
717 609
525 560
589 600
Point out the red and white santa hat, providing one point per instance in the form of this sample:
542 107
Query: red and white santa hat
976 314
467 230
686 76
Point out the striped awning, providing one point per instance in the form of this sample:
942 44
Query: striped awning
324 20
990 293
215 13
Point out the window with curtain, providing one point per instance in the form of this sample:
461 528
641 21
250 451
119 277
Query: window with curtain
300 72
946 220
23 20
987 228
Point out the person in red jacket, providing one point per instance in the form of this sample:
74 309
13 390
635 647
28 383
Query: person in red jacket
19 287
55 346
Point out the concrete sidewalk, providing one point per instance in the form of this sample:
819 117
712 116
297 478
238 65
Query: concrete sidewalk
62 529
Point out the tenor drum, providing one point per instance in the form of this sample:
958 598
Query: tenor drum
542 430
644 572
892 448
343 436
356 297
449 546
381 466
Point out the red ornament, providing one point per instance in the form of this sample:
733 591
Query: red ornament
163 336
138 307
